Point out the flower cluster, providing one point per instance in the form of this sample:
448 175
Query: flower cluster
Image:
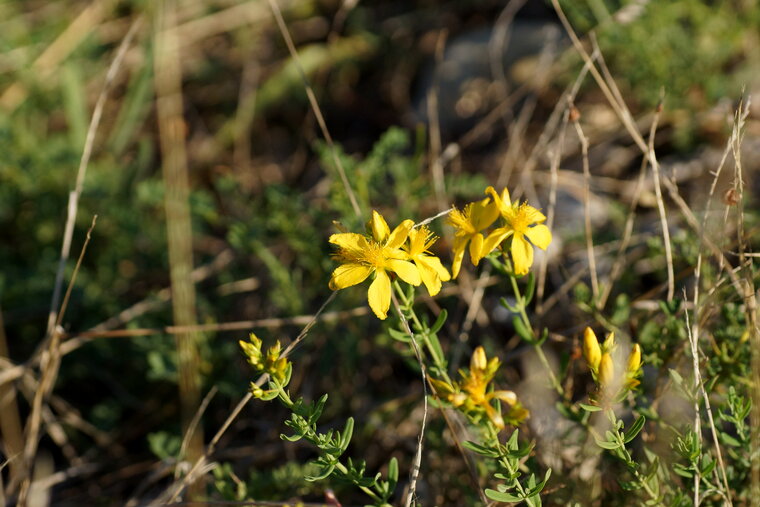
271 363
521 223
599 360
381 252
473 394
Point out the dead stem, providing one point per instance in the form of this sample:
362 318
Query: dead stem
171 129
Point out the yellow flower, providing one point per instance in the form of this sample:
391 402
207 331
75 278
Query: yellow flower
591 350
520 221
473 395
362 255
475 217
431 270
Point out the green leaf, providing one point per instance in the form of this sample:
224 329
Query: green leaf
392 474
535 490
347 434
316 410
440 321
590 408
436 346
480 449
607 445
729 440
675 376
707 465
522 330
502 497
323 473
398 335
508 306
634 430
683 471
530 288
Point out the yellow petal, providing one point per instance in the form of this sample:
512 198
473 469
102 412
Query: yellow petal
458 250
379 227
484 213
539 235
429 277
379 294
435 263
534 215
496 199
502 202
399 234
349 241
405 270
522 255
347 275
494 239
476 248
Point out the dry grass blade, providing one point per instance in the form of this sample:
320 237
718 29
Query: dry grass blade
750 296
82 171
191 428
49 365
62 47
315 107
10 421
575 115
415 469
617 266
436 164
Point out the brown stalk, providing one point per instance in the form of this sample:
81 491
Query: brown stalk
10 422
171 129
49 365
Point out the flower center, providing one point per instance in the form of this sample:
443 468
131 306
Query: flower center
374 256
461 220
520 219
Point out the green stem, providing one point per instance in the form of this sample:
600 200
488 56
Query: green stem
342 469
619 437
505 460
408 307
521 305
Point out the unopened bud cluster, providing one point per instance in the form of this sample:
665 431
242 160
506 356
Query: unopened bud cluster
600 362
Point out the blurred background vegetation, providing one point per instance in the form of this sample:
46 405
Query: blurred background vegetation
265 193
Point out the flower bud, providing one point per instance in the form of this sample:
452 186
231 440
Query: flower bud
378 227
634 359
508 397
609 343
457 399
606 369
479 360
591 350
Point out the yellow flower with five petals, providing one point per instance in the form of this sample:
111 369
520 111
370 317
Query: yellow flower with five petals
379 253
520 221
431 270
475 217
